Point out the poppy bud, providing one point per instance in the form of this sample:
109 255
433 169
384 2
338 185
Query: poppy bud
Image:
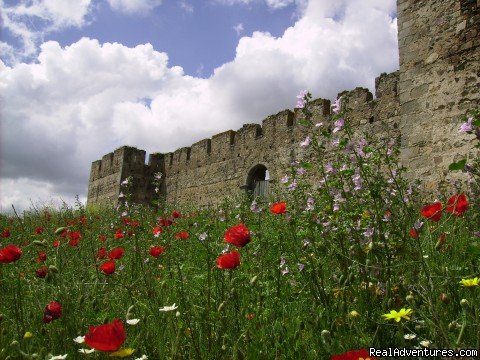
53 269
440 242
444 298
38 242
221 306
326 336
14 343
409 298
254 280
453 325
60 230
464 303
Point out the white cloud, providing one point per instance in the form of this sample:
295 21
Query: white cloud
238 28
273 4
77 103
134 6
49 15
186 6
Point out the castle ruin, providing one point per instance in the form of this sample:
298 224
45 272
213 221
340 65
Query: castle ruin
437 83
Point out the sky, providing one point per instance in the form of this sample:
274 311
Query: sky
81 78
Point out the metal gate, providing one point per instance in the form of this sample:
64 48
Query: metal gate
261 188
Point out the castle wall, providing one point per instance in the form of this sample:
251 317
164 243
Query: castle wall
439 43
438 81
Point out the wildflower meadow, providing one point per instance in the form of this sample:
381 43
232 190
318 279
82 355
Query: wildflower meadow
322 269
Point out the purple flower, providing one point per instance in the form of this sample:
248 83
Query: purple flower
310 202
301 171
338 125
329 168
301 267
284 179
306 142
254 207
335 142
368 232
301 99
467 127
336 106
357 181
293 185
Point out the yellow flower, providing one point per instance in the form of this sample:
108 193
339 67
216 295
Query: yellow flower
353 314
397 316
470 282
123 352
27 335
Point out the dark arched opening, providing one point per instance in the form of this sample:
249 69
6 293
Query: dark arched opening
257 181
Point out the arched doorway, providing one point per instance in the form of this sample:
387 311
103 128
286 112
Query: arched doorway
257 181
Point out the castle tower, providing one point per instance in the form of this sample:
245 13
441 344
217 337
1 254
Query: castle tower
439 43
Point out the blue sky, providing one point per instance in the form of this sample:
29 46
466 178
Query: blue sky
81 78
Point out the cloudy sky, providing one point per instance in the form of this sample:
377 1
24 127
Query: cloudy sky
81 78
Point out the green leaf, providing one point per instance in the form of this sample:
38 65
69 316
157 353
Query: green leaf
476 122
460 165
306 165
474 248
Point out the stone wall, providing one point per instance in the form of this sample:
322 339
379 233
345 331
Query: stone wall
439 43
437 83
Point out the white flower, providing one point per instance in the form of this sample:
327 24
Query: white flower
425 343
133 321
143 357
169 308
202 236
79 339
86 351
409 336
58 357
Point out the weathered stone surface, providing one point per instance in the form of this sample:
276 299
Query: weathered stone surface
423 101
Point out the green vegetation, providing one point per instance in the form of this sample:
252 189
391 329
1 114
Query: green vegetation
355 260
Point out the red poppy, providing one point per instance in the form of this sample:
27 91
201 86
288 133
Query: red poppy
5 233
41 272
74 242
52 311
74 235
457 204
42 256
116 253
56 243
278 208
176 214
156 251
126 221
165 222
102 237
229 261
413 233
107 337
101 253
108 267
181 235
354 355
432 211
157 230
119 234
237 235
39 230
83 219
10 253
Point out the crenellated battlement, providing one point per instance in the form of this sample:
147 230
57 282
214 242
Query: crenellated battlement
437 82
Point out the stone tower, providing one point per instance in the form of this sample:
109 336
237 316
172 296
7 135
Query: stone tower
439 43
